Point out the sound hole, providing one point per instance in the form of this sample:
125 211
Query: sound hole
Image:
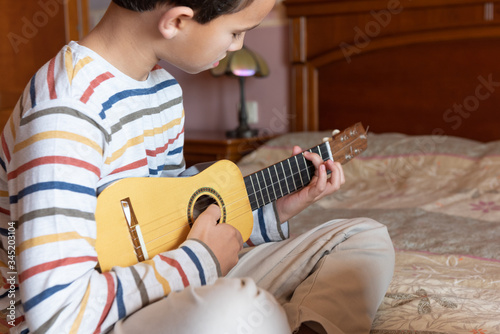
203 202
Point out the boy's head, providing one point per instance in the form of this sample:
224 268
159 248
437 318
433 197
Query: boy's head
205 10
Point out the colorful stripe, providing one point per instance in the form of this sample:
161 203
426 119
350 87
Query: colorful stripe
51 79
35 270
51 238
140 286
163 282
109 300
159 150
140 140
33 91
178 267
41 186
121 151
122 311
58 135
134 92
5 148
83 306
5 211
178 150
131 166
81 64
197 263
94 84
130 118
65 111
50 212
30 303
12 126
262 225
61 160
68 63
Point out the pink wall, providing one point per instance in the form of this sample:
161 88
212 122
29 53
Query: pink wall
211 103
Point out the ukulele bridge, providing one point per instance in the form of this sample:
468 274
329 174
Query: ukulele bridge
135 230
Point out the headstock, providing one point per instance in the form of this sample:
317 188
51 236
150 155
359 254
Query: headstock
347 144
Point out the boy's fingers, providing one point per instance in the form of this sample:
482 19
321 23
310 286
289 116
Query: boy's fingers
322 178
296 150
213 211
314 158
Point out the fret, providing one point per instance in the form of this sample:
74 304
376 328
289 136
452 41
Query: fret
296 173
304 166
272 191
258 191
325 153
262 184
251 192
285 178
320 153
293 173
274 173
315 150
282 179
291 177
266 185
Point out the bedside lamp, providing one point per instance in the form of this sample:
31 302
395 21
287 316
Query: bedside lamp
241 64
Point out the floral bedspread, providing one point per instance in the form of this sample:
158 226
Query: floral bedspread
440 199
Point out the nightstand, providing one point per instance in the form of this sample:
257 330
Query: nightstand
204 146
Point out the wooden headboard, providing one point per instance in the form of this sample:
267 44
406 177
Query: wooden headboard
410 66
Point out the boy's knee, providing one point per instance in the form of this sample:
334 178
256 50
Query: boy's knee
240 306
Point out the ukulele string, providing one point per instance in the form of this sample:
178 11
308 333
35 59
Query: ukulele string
203 203
208 201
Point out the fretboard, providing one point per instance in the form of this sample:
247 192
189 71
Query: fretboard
283 178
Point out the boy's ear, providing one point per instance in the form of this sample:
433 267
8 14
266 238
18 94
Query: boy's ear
173 20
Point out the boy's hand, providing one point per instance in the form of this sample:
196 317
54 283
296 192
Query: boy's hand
224 240
319 187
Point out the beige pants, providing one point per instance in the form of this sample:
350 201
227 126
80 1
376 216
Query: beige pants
332 278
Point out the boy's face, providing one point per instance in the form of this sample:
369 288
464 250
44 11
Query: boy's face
202 46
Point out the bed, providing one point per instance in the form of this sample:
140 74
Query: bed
424 76
441 204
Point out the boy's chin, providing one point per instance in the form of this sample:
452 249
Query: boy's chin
194 70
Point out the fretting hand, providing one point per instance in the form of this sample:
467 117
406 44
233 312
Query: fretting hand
320 186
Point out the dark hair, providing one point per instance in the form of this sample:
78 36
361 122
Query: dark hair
205 10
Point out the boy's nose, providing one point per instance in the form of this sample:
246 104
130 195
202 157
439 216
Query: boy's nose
237 45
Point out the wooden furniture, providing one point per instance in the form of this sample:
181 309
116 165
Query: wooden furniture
417 67
204 146
32 33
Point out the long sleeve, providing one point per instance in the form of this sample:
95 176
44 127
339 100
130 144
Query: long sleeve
267 226
62 143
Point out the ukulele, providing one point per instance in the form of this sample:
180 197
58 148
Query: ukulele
140 217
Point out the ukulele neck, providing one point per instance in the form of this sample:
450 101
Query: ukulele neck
283 178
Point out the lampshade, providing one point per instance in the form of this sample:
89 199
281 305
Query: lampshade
242 63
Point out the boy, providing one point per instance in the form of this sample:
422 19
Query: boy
102 110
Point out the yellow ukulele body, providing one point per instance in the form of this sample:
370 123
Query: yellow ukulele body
138 218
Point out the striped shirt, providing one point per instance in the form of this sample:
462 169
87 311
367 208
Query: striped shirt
80 125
